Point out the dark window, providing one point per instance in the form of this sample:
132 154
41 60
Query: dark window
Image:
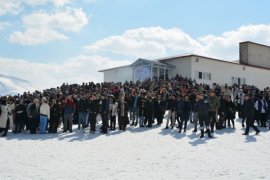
200 75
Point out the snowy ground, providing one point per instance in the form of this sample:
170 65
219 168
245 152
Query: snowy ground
138 153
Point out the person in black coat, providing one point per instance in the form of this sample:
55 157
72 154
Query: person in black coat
122 114
249 113
55 114
93 112
105 108
159 109
148 112
185 114
21 117
222 111
33 116
142 108
202 107
231 109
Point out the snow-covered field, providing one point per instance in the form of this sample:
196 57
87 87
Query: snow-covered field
138 153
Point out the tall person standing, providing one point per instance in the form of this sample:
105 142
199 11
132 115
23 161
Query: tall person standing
249 113
44 115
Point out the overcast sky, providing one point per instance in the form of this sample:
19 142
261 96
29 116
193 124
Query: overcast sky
48 42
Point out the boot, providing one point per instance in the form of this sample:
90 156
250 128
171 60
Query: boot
4 134
233 123
258 132
209 134
202 134
195 130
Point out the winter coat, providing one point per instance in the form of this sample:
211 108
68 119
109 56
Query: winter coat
230 106
202 107
55 112
45 110
249 108
4 116
33 111
142 107
159 107
83 105
214 103
113 109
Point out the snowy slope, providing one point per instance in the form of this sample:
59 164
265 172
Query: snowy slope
12 85
138 153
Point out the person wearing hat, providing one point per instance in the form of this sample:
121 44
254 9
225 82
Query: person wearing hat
44 116
249 113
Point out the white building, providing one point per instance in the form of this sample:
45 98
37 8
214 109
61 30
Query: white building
253 68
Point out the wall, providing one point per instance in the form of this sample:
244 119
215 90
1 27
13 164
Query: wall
255 54
182 66
120 74
222 72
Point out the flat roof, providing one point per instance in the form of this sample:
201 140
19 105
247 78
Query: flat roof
250 42
213 59
114 68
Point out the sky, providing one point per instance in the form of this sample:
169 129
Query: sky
48 42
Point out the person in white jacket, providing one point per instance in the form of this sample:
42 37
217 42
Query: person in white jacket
4 117
44 116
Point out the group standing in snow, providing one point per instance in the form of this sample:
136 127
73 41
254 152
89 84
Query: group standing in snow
179 101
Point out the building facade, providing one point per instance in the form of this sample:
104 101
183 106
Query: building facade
202 69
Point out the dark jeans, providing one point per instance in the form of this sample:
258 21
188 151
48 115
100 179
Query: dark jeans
250 123
204 121
19 123
112 122
122 123
179 117
148 119
213 120
92 119
53 125
104 117
263 119
184 120
33 124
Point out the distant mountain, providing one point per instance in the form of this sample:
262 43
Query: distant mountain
10 85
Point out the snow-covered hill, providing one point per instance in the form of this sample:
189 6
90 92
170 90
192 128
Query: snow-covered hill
13 85
137 154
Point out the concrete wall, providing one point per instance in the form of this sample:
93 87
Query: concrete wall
120 74
183 66
222 72
255 54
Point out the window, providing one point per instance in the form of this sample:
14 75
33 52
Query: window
200 75
239 81
204 75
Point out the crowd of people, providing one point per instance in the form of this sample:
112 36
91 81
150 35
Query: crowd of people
211 107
